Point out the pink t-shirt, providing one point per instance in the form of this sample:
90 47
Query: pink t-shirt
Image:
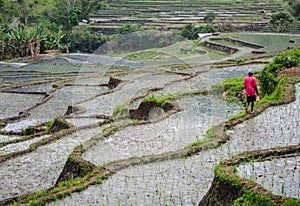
250 83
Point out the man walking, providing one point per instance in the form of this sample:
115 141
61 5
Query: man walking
251 90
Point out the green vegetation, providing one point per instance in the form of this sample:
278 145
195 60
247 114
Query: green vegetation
81 39
209 17
160 101
271 43
251 198
49 125
291 202
233 88
120 111
220 172
269 77
191 31
281 22
294 8
29 131
210 135
270 82
278 93
142 55
129 28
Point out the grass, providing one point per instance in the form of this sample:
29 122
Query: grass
210 135
278 94
142 55
58 192
233 88
49 125
251 198
271 42
159 100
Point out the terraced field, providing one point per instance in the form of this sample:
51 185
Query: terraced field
74 130
173 15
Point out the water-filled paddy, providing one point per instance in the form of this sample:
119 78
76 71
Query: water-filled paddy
186 181
60 101
198 114
39 169
279 175
207 79
105 104
16 147
173 182
12 104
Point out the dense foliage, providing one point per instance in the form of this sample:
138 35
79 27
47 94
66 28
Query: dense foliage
268 76
191 31
29 27
51 14
281 22
28 41
83 40
294 8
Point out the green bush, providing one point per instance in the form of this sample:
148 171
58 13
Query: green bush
250 198
29 131
191 31
84 41
267 82
291 202
129 28
50 124
268 76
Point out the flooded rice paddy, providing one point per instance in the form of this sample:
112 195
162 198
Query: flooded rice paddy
279 175
80 81
186 181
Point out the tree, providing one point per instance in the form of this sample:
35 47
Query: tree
25 7
187 31
129 28
281 22
1 4
294 8
209 17
191 32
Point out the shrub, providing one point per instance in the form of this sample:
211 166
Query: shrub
267 82
29 131
50 124
253 199
267 78
84 41
191 32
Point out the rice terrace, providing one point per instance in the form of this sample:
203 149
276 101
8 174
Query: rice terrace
142 102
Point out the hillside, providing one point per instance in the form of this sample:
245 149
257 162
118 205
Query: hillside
231 15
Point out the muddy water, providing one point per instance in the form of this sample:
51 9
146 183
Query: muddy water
198 114
185 181
12 104
105 104
40 169
60 101
279 175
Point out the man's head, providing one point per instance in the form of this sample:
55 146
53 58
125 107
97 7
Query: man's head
250 72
